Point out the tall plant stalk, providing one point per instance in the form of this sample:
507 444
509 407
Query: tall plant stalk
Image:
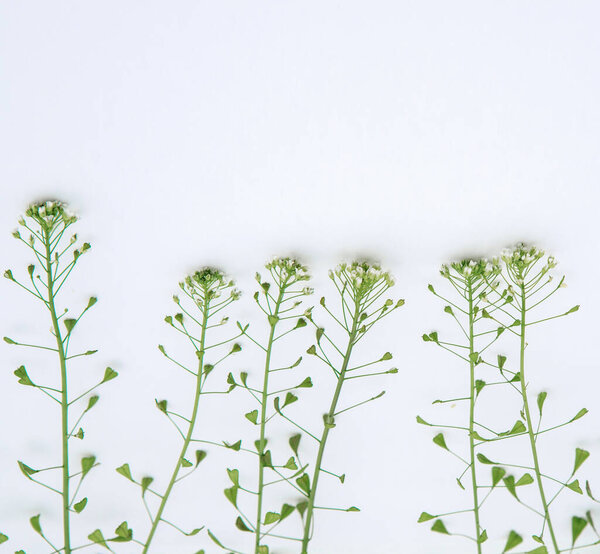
360 286
209 293
472 281
46 225
279 300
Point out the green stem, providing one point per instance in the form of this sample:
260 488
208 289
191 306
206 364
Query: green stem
64 403
530 430
472 398
329 416
188 437
263 419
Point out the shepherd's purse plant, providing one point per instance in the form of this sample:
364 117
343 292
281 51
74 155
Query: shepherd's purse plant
45 229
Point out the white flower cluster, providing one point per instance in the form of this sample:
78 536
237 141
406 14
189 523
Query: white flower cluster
288 268
362 276
207 284
473 269
522 257
49 213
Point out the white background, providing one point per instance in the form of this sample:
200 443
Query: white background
187 133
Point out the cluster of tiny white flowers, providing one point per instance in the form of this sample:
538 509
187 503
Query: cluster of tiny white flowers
520 258
289 268
49 213
473 269
207 284
362 276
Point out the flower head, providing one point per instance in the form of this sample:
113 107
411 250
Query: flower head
287 270
49 214
362 277
206 284
473 270
520 259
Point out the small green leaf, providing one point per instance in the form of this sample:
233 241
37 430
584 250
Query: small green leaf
474 357
301 507
146 482
263 549
425 517
286 510
439 527
540 400
514 539
239 523
91 302
484 459
525 479
301 323
319 333
123 532
497 474
35 523
273 319
125 471
231 494
580 457
294 442
574 486
214 539
385 357
186 463
579 414
578 524
252 416
304 483
24 379
86 464
234 475
538 550
518 427
271 517
98 538
431 289
92 402
440 441
289 399
483 536
109 374
573 309
448 310
291 464
161 405
312 350
422 421
501 361
26 469
353 509
306 384
9 340
200 455
509 482
79 506
479 384
69 324
234 446
3 538
261 444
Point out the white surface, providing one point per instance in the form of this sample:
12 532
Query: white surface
190 133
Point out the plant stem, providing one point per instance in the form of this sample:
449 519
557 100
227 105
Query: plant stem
530 431
330 415
472 398
190 431
263 417
64 403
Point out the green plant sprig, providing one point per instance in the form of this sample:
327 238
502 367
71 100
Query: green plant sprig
46 224
208 292
361 286
474 282
279 300
527 274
